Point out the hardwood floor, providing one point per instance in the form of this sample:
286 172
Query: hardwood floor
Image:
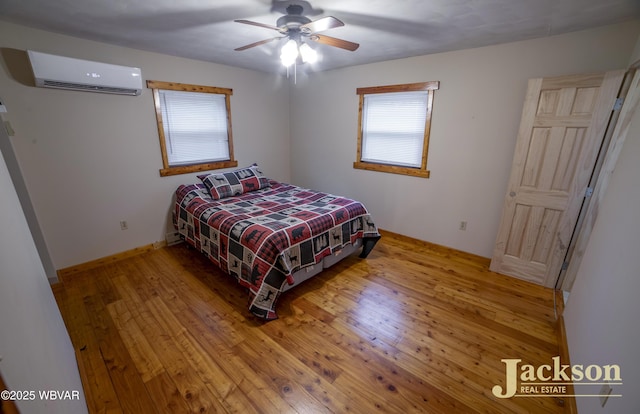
412 328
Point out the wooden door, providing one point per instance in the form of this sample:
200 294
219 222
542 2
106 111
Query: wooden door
619 135
563 122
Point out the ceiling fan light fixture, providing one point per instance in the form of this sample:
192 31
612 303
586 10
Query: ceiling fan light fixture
308 54
298 29
289 53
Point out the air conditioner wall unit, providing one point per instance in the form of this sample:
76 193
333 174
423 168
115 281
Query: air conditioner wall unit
51 71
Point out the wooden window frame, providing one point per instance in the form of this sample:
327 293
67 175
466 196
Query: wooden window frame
430 87
167 169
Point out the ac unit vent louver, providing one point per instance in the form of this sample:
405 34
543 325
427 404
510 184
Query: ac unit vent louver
51 71
78 86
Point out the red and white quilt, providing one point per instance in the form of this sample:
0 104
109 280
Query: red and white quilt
262 237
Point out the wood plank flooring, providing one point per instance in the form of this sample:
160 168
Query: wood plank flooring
414 328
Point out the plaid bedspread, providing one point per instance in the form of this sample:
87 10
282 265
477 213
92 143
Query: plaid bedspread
262 237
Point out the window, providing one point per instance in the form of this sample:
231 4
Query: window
393 128
194 125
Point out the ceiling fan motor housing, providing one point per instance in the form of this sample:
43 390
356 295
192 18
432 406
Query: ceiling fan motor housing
294 18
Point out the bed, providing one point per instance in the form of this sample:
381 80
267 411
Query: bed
268 235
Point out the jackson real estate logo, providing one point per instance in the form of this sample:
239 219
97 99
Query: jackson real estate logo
556 379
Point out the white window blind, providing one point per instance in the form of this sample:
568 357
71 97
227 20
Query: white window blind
195 127
393 128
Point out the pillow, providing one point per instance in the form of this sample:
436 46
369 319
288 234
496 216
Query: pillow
221 185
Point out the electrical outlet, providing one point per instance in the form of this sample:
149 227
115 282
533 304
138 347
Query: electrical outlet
123 225
463 225
605 391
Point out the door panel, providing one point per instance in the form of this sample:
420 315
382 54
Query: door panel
619 130
562 126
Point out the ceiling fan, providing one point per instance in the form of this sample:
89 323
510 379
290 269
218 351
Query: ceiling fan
298 28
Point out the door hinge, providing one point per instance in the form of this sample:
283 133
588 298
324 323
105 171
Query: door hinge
588 192
565 265
618 104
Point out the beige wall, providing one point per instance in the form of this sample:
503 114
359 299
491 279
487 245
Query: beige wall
91 160
635 56
475 121
35 349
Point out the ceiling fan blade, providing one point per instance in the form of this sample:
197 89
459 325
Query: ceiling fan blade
262 42
322 24
332 41
266 26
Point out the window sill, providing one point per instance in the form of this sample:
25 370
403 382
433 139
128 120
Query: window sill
414 172
186 169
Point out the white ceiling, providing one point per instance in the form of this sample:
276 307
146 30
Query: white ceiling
385 29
